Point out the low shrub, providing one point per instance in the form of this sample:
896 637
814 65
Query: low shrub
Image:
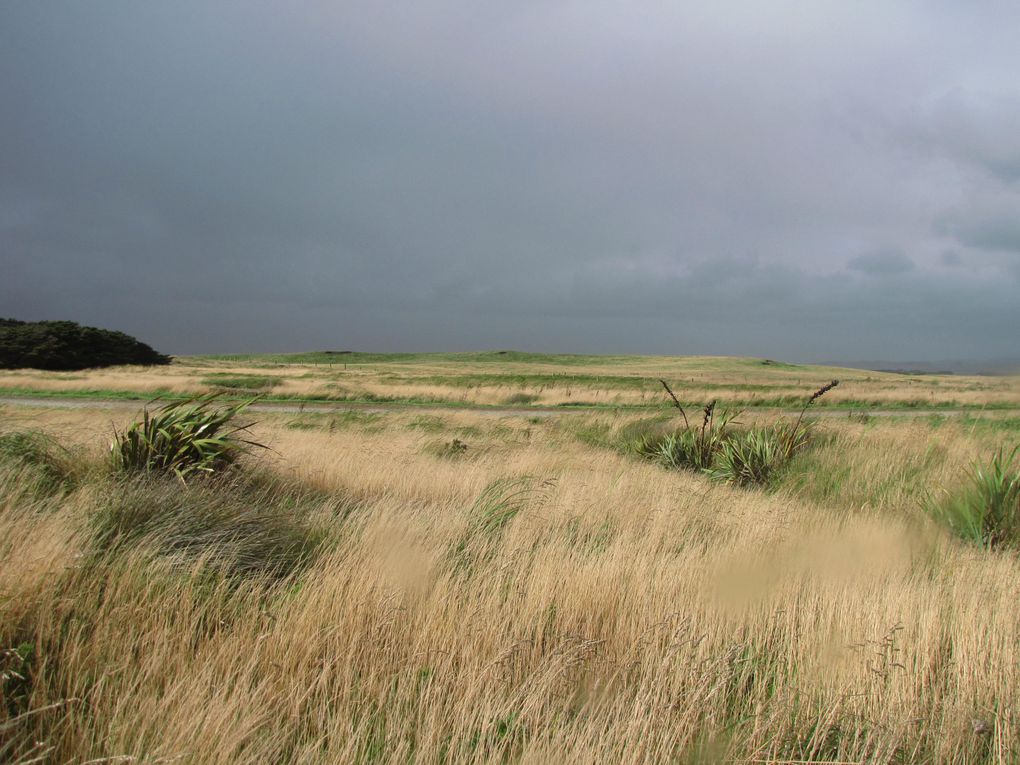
986 509
183 438
751 457
692 449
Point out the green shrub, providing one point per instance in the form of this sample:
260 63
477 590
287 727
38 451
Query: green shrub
183 438
691 448
985 510
65 345
680 451
750 458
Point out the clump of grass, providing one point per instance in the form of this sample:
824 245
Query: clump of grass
247 525
692 449
493 510
751 457
51 467
986 509
184 439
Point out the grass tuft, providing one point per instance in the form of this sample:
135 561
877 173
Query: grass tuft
241 527
50 467
184 439
986 509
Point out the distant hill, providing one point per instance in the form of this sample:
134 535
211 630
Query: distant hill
988 367
65 345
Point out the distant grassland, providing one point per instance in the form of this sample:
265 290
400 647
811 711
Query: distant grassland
521 380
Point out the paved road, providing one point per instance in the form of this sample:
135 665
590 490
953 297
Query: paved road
552 411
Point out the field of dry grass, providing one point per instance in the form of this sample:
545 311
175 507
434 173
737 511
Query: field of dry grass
364 593
522 380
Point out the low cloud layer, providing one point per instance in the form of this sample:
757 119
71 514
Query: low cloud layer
802 181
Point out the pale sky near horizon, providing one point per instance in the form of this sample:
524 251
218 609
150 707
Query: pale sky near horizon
798 180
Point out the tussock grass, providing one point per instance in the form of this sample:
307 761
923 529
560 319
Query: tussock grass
601 611
243 525
47 466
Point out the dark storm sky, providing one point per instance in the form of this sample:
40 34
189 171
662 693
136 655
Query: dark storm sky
801 180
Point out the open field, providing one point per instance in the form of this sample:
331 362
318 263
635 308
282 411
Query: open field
501 379
369 591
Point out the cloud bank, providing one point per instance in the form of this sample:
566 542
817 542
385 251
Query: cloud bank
803 181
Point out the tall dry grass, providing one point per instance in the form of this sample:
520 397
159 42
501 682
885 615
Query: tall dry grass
614 612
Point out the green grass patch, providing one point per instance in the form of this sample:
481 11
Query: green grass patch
339 358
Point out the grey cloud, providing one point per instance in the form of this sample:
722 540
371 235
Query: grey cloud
980 128
881 263
450 175
951 258
992 233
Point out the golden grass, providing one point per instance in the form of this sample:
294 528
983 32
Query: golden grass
625 614
632 382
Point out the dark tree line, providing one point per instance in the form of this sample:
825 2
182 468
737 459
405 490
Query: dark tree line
66 345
